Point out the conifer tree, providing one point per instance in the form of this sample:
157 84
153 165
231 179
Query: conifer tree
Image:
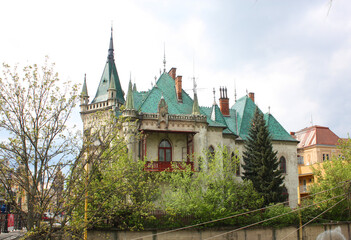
261 165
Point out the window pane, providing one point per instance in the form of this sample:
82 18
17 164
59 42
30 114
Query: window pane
161 155
168 155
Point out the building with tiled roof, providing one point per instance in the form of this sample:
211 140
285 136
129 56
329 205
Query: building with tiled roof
176 128
316 145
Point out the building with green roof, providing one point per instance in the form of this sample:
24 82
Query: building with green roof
176 128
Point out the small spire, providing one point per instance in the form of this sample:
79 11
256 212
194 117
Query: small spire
214 96
85 89
130 100
164 57
134 87
196 108
110 49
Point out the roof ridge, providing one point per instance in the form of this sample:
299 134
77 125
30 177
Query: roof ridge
241 122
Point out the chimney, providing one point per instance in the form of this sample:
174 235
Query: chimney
172 73
292 133
178 86
224 101
252 96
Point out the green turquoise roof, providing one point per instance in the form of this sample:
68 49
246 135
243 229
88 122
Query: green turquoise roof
165 86
130 100
237 123
245 109
216 115
101 93
276 130
85 89
110 72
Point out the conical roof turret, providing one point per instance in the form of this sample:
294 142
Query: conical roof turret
130 100
84 92
109 74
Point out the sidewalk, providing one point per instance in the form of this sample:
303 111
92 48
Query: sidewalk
12 235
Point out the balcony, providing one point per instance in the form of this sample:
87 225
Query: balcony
304 189
304 170
167 166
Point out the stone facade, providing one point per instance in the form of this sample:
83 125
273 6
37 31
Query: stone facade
174 128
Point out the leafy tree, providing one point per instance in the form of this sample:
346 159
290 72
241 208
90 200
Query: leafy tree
34 111
261 165
212 193
121 194
332 183
40 154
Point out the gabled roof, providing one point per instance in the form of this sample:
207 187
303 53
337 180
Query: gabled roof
237 123
245 108
316 135
276 130
165 86
110 72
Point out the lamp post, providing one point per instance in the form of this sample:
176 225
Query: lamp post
96 144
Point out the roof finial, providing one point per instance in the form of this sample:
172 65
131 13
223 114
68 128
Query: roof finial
214 96
164 57
110 49
234 90
269 109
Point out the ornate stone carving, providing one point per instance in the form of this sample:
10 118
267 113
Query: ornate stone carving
162 110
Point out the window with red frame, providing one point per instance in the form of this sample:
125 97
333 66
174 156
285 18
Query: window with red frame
165 151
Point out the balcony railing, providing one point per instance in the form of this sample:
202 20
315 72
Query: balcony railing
167 166
304 189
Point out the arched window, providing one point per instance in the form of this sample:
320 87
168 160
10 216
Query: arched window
165 151
282 162
236 161
211 153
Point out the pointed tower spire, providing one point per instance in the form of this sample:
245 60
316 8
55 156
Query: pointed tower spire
130 100
196 108
84 89
84 97
110 49
134 87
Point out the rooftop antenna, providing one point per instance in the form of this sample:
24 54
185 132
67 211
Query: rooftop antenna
214 96
234 90
194 81
311 120
164 57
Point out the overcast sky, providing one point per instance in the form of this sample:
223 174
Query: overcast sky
294 55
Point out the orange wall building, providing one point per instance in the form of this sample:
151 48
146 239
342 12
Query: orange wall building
317 144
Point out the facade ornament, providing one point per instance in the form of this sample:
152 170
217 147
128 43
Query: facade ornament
162 111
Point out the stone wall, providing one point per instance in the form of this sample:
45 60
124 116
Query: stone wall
259 233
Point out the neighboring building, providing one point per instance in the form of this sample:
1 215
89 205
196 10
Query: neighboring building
316 145
176 129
